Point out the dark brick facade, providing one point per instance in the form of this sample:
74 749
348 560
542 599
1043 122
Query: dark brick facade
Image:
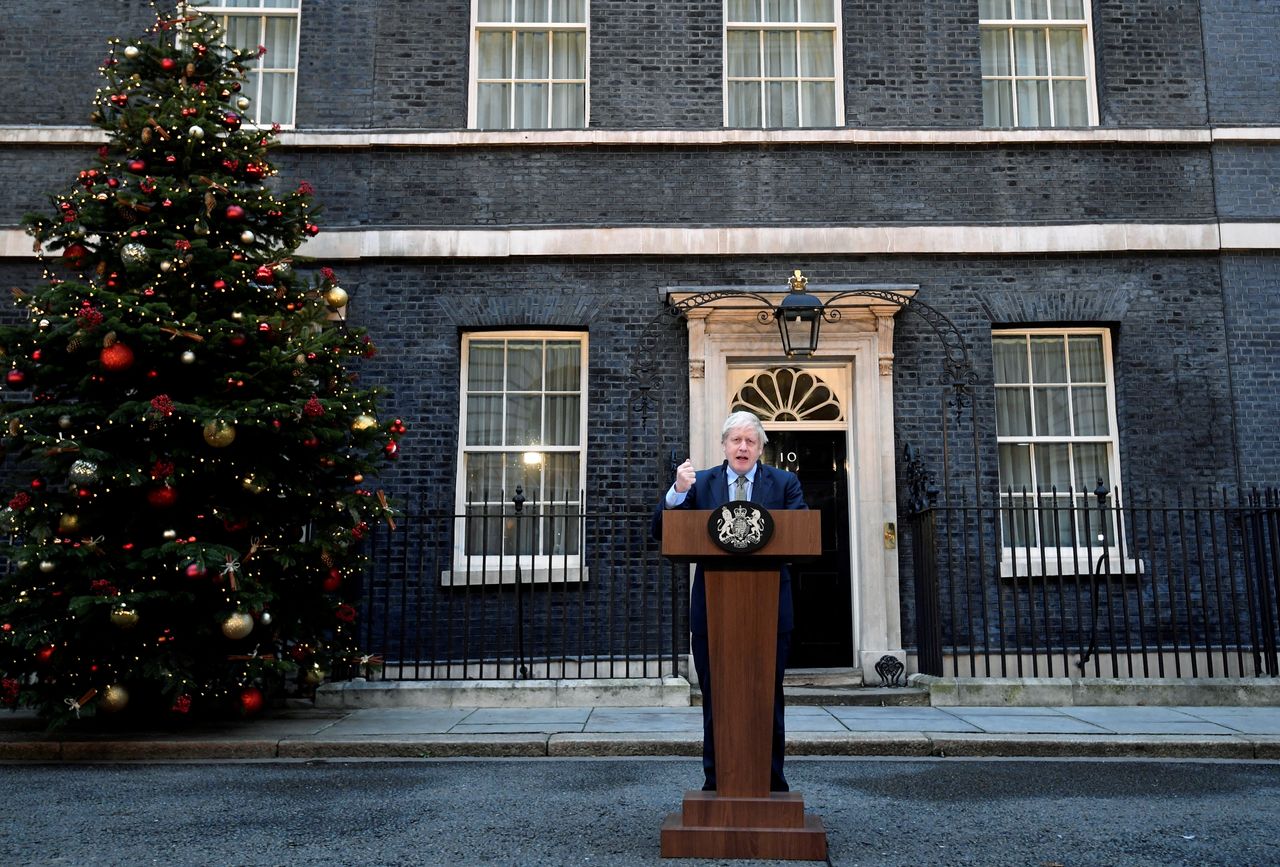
1196 351
1243 66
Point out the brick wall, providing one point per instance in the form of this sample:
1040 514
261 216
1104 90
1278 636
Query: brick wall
1242 63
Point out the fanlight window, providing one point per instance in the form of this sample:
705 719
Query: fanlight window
788 394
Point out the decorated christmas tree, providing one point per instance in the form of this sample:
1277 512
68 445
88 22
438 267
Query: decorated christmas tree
187 449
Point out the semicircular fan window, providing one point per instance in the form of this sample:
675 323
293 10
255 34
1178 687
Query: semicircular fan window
788 394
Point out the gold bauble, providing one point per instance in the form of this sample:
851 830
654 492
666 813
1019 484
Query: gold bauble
113 698
237 626
363 421
335 297
219 433
124 618
69 523
314 676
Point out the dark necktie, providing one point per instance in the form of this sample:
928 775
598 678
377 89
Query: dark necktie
740 488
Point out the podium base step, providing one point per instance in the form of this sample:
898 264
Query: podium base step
808 843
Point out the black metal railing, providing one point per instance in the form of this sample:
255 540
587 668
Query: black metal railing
1049 584
535 589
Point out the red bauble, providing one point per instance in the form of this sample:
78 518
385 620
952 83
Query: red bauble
237 341
255 171
265 274
116 357
231 120
332 581
136 166
168 64
196 570
162 497
234 212
76 255
16 378
251 700
312 229
220 285
44 654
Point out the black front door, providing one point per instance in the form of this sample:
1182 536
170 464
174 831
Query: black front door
822 591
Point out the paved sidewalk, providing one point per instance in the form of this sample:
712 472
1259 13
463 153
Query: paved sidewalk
1191 732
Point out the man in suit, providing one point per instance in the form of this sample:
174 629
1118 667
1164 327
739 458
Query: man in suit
740 477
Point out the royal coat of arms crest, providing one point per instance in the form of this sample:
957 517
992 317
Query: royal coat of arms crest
741 527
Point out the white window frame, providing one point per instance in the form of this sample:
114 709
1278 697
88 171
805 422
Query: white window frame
473 73
1033 560
477 569
1090 75
834 27
263 13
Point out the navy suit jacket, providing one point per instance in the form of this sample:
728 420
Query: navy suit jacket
774 489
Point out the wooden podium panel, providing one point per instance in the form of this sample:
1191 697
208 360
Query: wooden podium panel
742 818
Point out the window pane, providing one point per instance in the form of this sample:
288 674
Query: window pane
494 10
781 104
1030 8
484 366
816 56
569 11
1015 466
817 10
484 477
281 41
1052 417
1066 8
744 53
562 477
531 54
276 105
744 10
524 365
1033 103
524 420
993 8
569 106
568 56
491 106
1053 467
564 365
484 420
1030 53
819 103
1086 359
779 10
519 473
995 52
780 53
1090 411
493 54
531 106
1048 359
1013 412
1067 48
997 103
242 31
562 420
530 10
744 103
1010 358
1091 465
484 533
1071 103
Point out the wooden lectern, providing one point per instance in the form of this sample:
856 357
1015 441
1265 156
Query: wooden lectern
743 819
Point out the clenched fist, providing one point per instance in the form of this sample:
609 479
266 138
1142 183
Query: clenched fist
685 476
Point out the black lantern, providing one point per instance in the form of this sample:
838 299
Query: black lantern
799 318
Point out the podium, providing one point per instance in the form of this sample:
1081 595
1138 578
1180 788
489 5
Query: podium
742 818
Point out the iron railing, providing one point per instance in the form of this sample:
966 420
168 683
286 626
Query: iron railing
1052 584
527 593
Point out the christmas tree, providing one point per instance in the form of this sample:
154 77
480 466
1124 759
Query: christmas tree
188 446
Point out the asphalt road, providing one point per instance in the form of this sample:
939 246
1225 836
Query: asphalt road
607 812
